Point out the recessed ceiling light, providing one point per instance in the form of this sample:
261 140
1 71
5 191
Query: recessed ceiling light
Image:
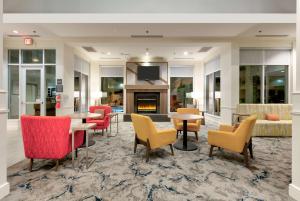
147 53
108 53
185 52
15 31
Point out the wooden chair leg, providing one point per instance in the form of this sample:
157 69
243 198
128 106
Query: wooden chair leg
30 164
250 148
171 147
211 150
196 134
135 145
56 165
148 151
245 152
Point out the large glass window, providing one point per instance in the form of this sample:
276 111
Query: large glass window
32 56
276 84
264 84
213 93
113 86
180 86
25 58
13 89
250 84
50 89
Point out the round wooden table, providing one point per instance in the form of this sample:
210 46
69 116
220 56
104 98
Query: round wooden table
184 144
84 116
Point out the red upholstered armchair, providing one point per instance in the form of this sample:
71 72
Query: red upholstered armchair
48 137
104 122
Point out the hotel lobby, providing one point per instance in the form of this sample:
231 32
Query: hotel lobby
115 101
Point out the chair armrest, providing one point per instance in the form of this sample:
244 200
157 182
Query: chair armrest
227 128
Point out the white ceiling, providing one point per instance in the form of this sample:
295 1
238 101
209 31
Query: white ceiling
79 35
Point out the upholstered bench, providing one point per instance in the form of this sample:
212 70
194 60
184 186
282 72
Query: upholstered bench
263 127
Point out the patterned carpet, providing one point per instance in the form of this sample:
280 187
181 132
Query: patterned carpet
118 174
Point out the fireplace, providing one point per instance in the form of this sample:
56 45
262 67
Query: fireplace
146 102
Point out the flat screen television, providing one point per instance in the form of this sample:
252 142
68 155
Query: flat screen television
148 73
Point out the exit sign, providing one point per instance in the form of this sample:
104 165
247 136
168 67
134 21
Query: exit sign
28 41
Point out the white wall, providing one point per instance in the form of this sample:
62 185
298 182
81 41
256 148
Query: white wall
4 186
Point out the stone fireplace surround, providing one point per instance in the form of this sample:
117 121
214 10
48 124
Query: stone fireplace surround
162 90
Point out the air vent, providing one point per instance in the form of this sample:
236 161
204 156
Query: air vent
205 49
271 36
147 36
89 49
24 36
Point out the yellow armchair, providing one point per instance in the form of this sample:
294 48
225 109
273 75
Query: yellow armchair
148 135
237 139
193 126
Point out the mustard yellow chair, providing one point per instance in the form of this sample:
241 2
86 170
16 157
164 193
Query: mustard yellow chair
192 126
148 135
237 139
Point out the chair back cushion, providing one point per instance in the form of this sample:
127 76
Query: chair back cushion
107 109
45 137
100 111
244 131
143 126
189 111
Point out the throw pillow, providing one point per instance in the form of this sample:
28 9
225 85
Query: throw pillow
272 117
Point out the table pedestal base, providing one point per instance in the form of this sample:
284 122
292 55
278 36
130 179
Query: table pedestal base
190 146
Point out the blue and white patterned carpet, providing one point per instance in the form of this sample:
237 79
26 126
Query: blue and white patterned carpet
118 174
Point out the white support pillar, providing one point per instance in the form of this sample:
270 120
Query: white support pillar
4 186
294 189
229 62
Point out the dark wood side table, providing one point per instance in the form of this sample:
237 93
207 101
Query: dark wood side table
184 144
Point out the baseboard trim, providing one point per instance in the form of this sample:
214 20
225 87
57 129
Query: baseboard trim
294 192
4 190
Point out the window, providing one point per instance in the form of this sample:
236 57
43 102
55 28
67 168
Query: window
113 86
180 86
24 58
264 75
276 84
32 56
250 84
213 93
50 90
264 84
13 89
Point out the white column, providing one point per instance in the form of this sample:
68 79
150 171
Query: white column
229 62
4 186
294 189
199 83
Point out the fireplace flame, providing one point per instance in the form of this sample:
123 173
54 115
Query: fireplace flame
147 107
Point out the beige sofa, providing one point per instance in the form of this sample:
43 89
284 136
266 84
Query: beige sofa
264 127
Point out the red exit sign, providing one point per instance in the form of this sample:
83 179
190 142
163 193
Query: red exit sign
28 41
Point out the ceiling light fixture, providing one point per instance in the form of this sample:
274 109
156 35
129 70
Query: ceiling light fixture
15 31
108 53
185 53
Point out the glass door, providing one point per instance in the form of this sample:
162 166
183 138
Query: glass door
32 93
